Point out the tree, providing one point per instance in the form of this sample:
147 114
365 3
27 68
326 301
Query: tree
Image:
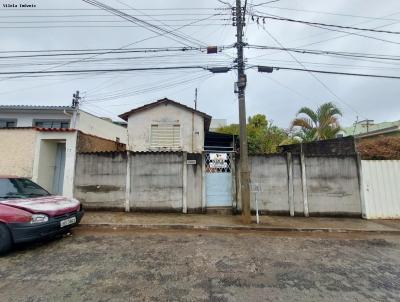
263 137
317 125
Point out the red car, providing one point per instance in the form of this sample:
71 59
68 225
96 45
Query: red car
28 212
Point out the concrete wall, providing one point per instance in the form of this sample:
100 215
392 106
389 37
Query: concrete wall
100 180
156 181
94 125
332 185
270 173
194 199
165 182
17 152
139 126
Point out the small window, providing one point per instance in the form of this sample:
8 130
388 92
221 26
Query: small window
165 136
8 123
51 124
64 125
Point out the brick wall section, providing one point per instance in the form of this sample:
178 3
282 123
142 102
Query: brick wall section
91 143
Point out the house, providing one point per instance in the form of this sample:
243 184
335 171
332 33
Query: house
217 123
41 142
369 129
60 117
173 163
166 125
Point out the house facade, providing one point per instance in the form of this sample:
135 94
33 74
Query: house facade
60 117
41 143
166 125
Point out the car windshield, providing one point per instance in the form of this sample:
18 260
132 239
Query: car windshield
13 188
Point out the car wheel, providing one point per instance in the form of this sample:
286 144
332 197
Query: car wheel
5 239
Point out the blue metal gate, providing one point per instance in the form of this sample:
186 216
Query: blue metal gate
219 179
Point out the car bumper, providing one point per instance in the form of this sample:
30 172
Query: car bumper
24 232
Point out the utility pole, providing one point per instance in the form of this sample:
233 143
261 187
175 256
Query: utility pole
75 105
241 87
75 100
195 99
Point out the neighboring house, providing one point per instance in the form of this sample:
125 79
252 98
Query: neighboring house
41 142
166 125
60 117
369 129
217 123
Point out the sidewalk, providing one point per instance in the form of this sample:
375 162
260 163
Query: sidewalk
225 222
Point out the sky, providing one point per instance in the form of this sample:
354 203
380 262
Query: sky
76 25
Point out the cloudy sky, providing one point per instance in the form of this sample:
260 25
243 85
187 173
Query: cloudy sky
76 25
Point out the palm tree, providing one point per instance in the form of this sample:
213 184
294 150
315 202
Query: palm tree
318 125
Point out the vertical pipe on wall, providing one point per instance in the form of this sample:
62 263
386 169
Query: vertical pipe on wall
304 182
184 182
290 183
128 182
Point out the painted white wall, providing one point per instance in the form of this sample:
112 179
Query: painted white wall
85 122
26 119
45 173
94 125
44 159
139 127
17 151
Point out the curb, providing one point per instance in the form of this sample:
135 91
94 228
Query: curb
233 228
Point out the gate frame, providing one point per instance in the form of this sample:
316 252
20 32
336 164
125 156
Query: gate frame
233 172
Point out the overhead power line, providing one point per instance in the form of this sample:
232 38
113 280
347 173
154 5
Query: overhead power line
323 84
262 68
330 13
44 72
147 25
325 24
186 14
122 47
329 52
107 51
122 9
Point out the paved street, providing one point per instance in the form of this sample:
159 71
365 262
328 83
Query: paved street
111 265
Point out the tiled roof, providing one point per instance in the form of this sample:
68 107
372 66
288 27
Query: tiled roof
34 107
125 115
362 129
55 129
41 129
135 152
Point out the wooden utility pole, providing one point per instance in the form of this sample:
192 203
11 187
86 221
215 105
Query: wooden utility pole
241 87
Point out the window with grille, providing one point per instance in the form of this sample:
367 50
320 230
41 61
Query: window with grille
165 136
51 124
